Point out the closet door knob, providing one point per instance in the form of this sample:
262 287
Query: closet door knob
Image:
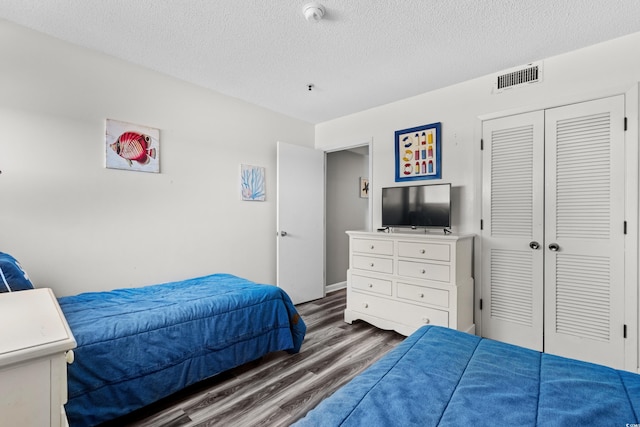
554 247
534 245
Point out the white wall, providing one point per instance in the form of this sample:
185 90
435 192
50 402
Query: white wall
77 226
600 70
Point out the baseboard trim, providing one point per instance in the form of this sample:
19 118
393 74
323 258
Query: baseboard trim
335 287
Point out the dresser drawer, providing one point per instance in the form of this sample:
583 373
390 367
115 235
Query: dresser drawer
372 246
423 250
417 316
425 270
371 284
368 263
405 313
424 294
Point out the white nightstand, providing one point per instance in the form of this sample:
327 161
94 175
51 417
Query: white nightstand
34 341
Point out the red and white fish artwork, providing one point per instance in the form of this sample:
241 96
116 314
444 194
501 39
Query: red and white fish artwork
132 147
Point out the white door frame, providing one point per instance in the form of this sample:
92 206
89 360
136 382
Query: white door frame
369 145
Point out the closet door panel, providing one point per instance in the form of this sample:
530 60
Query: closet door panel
584 247
512 285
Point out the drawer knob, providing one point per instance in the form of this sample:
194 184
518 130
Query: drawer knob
372 246
365 305
423 271
426 320
70 357
371 265
422 251
421 295
371 285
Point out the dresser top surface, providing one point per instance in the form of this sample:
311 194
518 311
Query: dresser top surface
412 236
32 320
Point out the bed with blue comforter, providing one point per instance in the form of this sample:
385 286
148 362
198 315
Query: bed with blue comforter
442 377
138 345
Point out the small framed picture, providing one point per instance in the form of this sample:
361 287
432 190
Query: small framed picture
418 153
364 188
132 147
252 183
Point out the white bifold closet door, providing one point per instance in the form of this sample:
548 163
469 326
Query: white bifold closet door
584 218
553 235
513 233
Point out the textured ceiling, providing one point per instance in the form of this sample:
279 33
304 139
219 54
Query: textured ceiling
361 55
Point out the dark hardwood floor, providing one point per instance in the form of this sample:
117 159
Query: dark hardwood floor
280 388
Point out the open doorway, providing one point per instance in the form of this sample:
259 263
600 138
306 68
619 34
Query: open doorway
347 207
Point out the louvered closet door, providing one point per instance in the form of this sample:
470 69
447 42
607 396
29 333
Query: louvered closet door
584 278
512 235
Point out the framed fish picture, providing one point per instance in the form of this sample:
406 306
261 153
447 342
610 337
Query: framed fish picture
132 147
418 153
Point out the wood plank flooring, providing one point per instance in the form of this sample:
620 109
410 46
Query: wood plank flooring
280 388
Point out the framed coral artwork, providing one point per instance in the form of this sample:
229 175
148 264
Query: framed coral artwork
132 147
252 183
418 153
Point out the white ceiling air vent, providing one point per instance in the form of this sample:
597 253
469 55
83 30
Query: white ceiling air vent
517 77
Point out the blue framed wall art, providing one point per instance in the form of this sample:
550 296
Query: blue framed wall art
419 153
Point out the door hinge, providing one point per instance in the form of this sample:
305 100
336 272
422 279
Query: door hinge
625 123
480 303
625 227
481 225
482 144
624 331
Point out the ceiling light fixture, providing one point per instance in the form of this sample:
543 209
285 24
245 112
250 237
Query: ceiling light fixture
313 12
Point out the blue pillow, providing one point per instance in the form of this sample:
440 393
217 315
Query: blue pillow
12 275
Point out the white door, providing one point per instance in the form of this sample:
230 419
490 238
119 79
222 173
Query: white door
512 232
300 222
556 178
584 248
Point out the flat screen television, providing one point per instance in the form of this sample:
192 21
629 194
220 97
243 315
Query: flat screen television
417 206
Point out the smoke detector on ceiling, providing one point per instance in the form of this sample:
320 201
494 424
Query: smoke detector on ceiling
313 12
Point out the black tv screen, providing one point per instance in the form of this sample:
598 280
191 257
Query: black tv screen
417 206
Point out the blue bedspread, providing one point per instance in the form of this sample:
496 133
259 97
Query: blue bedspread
442 377
138 345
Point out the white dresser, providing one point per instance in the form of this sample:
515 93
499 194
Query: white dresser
34 342
403 281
